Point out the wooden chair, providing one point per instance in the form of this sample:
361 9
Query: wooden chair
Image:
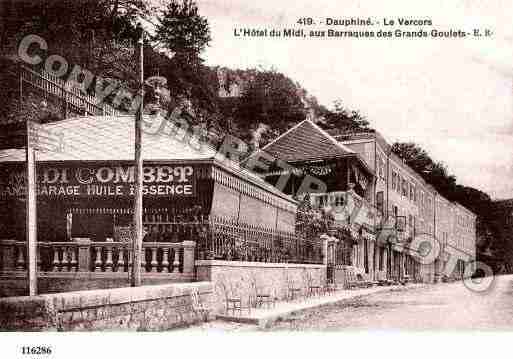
262 297
233 298
235 301
311 287
351 282
197 305
330 288
293 291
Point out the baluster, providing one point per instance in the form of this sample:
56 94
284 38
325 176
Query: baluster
20 262
38 260
121 260
165 260
64 262
108 262
55 263
129 259
143 260
176 262
73 263
154 263
98 261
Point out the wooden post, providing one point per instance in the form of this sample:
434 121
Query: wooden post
31 228
138 201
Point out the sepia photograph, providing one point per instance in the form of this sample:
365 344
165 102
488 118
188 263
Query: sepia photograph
262 173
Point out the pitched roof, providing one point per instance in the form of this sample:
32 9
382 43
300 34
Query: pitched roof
111 138
102 138
306 142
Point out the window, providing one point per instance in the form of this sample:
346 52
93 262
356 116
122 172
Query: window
404 187
381 167
412 191
394 179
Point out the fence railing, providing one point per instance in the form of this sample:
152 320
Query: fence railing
83 255
348 208
228 239
72 99
167 247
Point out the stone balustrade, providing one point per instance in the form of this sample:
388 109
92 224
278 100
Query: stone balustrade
83 255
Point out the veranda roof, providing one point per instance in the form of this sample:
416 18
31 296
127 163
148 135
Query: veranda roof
308 142
111 138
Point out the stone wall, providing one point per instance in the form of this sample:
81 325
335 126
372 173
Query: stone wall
232 278
158 307
15 283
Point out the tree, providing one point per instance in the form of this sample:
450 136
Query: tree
342 119
95 34
312 222
435 173
182 30
272 99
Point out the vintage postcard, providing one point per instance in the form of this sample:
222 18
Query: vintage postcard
202 168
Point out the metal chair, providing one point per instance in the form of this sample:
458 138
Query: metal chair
262 297
234 299
293 291
197 305
311 287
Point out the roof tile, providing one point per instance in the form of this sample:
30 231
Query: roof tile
306 141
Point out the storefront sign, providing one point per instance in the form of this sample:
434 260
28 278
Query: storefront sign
101 181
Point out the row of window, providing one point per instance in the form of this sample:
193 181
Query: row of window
465 222
402 186
409 190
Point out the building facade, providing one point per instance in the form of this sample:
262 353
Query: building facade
396 208
403 194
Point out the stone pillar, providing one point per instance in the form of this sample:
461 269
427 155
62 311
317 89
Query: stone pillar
325 244
188 256
325 252
84 254
385 263
8 252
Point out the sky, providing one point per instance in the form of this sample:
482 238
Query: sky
453 97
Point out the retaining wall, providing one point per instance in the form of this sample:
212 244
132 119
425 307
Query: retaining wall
233 278
15 283
158 307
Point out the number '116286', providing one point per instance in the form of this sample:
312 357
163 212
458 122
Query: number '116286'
36 350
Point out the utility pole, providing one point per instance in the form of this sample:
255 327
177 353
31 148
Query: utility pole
31 227
138 173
